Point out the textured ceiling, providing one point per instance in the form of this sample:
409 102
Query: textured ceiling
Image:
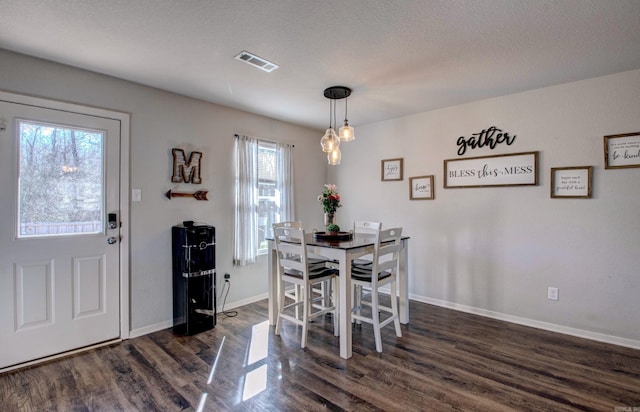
399 56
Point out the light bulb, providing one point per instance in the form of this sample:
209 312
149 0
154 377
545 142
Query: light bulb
346 132
328 142
334 157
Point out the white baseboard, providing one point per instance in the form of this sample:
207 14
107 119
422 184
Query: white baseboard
134 333
169 323
600 337
238 303
552 327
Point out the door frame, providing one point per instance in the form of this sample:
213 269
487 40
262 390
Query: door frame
124 119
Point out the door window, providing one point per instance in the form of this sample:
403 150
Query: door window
61 180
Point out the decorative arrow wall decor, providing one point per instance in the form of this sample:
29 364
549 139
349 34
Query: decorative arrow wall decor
199 195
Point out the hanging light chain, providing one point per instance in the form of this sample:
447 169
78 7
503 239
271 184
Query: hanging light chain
334 114
346 102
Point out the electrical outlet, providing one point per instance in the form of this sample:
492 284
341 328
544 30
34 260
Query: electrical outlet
552 293
227 276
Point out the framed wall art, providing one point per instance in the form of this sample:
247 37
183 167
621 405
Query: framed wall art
622 151
421 188
391 170
571 182
517 169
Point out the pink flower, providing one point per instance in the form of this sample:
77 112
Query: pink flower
329 199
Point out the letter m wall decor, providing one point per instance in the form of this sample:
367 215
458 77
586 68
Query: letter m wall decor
187 171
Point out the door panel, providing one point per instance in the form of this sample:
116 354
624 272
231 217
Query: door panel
88 286
34 295
59 277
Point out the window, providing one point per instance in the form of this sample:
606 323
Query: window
268 199
60 182
264 194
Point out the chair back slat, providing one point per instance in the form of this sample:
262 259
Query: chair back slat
363 227
386 251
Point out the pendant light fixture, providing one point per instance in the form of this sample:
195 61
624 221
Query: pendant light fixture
334 157
330 142
346 132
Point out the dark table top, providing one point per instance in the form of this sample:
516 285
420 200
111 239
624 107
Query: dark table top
358 240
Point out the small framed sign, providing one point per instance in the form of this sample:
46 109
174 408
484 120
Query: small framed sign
622 151
571 182
391 169
421 188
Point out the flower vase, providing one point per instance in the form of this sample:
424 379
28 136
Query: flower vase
329 219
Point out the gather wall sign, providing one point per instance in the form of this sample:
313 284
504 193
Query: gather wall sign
490 137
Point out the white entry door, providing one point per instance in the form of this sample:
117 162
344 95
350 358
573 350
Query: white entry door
59 249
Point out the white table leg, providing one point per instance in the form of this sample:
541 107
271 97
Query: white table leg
273 283
345 306
404 282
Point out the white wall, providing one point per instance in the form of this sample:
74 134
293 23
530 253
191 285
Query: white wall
496 250
161 121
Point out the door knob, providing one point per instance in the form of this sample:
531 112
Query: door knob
112 240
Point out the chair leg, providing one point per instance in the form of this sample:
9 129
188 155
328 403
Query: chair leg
308 296
281 303
296 293
336 312
375 316
357 301
394 308
326 293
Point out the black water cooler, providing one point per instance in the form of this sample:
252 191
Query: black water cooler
194 278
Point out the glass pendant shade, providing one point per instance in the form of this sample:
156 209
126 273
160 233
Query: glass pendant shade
330 141
334 157
346 132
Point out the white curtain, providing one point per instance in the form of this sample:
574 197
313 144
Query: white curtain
247 174
284 181
246 216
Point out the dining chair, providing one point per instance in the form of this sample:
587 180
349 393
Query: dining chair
324 289
295 267
366 228
363 228
383 271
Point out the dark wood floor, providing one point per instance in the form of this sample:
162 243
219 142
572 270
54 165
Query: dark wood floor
446 360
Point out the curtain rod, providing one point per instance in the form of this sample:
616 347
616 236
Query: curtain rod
266 141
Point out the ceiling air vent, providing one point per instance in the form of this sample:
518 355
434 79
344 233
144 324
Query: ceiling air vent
256 61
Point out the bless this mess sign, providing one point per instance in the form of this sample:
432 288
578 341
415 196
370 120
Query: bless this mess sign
501 170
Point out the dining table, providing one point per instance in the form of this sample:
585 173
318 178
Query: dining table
342 252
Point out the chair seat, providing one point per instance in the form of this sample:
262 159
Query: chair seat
364 275
314 273
316 261
362 262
